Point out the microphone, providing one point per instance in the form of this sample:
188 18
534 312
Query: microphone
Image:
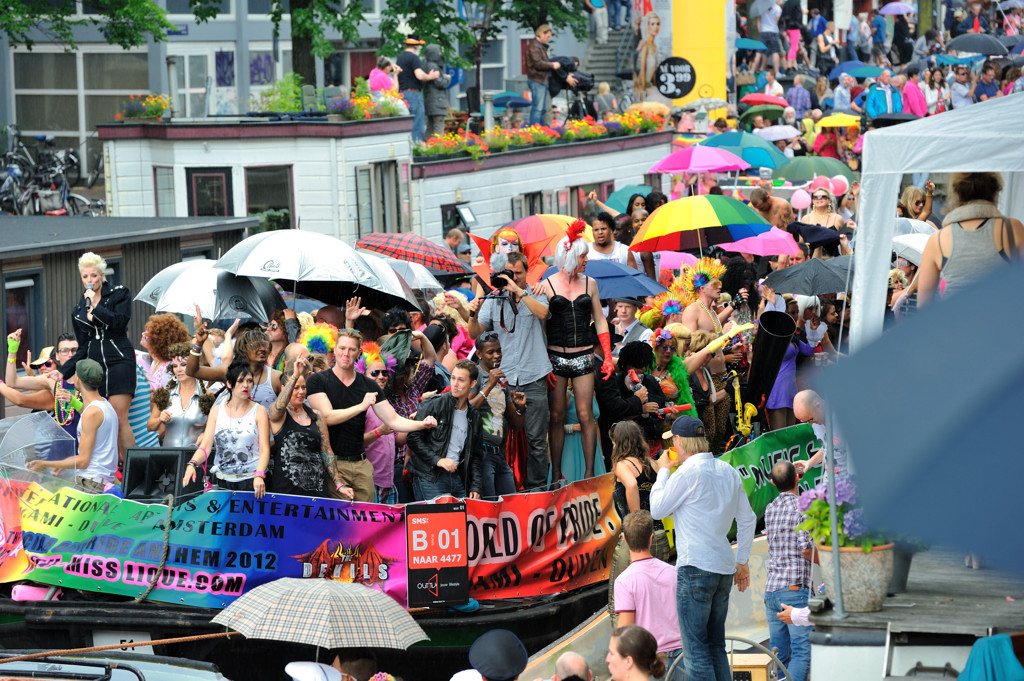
88 301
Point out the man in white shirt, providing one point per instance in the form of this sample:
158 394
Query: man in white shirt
703 497
773 87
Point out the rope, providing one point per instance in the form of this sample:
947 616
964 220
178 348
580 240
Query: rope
169 500
118 646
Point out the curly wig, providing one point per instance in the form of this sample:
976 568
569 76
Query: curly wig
571 248
165 330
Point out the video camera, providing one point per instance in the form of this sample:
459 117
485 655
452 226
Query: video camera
498 278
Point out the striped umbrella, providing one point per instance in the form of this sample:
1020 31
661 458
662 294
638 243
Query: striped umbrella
322 612
413 248
698 222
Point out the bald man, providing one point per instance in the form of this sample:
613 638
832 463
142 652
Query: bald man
808 407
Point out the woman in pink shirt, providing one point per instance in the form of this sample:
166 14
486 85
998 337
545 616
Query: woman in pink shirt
385 76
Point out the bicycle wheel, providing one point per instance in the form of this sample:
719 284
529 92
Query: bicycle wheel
72 170
77 205
94 176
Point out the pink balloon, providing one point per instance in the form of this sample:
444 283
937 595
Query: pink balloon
800 199
821 182
839 185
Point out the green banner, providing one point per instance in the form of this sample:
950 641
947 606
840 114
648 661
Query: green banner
754 462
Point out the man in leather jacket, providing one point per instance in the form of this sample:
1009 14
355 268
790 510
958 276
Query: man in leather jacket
444 460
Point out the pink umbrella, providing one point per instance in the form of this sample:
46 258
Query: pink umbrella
773 242
699 159
670 260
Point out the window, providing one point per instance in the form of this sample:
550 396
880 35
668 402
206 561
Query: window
190 93
116 71
209 191
527 204
182 7
23 310
583 207
653 180
269 189
264 6
163 185
45 71
378 195
492 64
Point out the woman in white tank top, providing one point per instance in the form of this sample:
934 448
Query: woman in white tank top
240 428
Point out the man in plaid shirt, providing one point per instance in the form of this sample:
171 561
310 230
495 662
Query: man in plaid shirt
798 97
789 572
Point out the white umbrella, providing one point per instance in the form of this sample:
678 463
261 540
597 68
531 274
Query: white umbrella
416 275
774 133
297 255
391 283
911 226
218 293
910 247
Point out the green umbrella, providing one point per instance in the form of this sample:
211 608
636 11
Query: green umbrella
767 111
755 150
806 168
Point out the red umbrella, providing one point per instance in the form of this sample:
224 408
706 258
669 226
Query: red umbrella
755 98
414 248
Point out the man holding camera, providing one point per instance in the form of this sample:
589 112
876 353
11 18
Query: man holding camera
516 315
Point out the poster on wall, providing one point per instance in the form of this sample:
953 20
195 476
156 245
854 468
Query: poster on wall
651 23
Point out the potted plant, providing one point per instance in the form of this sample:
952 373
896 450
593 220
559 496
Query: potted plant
144 109
865 557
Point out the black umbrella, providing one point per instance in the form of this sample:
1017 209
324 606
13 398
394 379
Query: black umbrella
917 465
978 43
813 277
1008 40
885 120
813 235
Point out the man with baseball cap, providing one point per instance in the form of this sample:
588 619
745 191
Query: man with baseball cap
703 496
410 81
97 458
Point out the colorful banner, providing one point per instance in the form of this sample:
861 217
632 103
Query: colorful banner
754 462
220 544
542 543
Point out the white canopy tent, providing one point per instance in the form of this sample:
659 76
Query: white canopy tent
984 137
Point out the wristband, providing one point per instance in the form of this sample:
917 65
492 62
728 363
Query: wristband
259 474
194 464
339 487
13 345
206 454
376 433
195 354
76 404
11 360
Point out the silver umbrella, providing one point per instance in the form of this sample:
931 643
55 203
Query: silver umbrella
417 276
705 103
218 293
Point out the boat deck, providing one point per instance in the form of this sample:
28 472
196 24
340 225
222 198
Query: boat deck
944 597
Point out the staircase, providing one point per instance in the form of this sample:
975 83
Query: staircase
600 59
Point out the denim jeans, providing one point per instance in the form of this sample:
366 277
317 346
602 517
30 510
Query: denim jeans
702 601
539 95
446 484
537 419
414 98
497 476
792 640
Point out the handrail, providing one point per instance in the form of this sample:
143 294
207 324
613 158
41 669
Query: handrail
754 644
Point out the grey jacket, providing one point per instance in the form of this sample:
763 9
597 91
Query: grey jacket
435 92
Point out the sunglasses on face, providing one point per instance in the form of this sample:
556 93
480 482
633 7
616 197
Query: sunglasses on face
820 196
48 364
273 327
378 372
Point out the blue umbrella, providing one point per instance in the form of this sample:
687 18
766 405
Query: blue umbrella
844 68
615 280
618 198
750 44
1018 48
513 101
866 72
756 151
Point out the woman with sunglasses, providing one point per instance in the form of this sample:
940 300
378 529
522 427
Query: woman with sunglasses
916 203
161 332
47 394
378 437
284 328
179 410
252 347
304 463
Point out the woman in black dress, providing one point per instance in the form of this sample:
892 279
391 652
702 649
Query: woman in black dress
303 461
100 322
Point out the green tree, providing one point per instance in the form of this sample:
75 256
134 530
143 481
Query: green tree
126 23
529 14
432 20
311 20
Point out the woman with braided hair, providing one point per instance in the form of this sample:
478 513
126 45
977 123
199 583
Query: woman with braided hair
179 410
575 313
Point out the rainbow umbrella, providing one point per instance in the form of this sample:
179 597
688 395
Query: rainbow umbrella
699 159
544 228
698 222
